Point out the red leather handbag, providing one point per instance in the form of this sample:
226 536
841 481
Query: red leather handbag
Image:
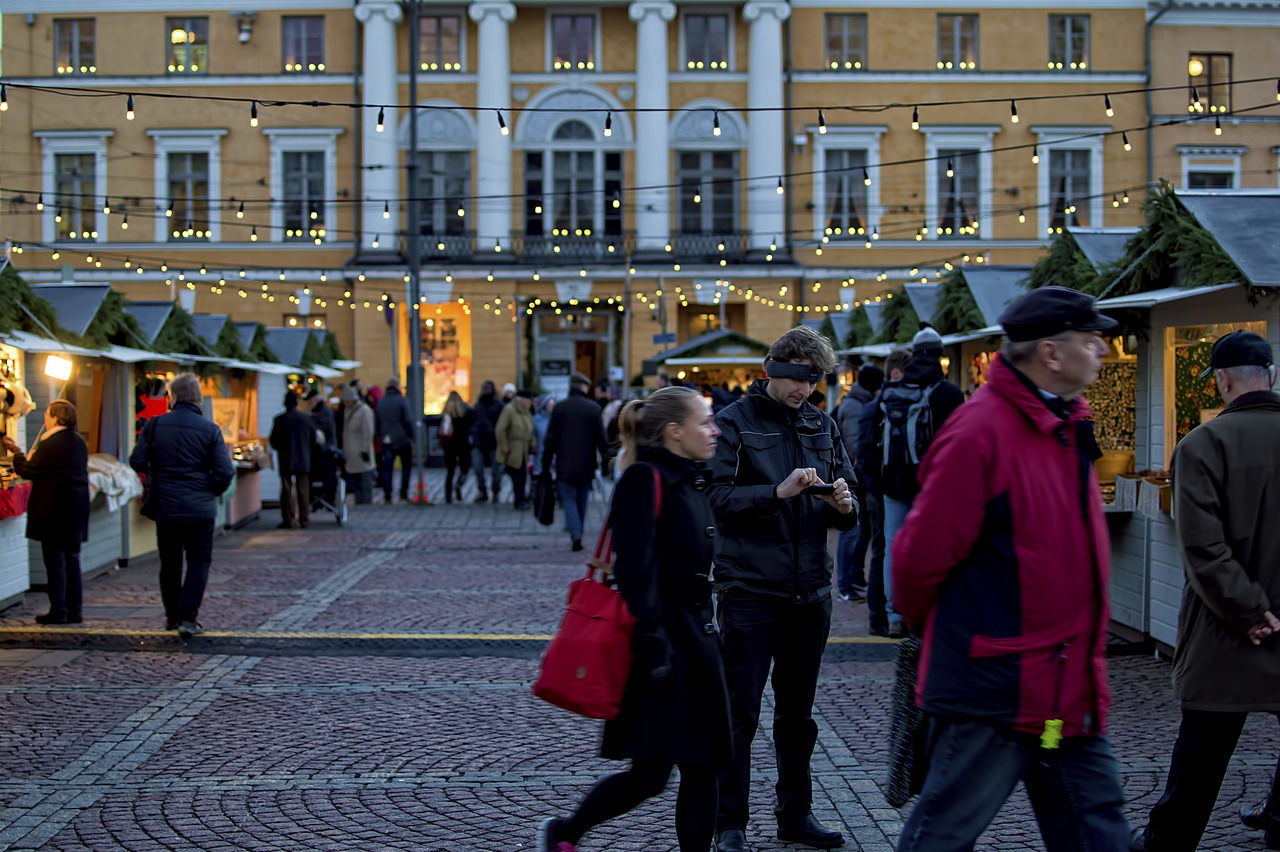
586 665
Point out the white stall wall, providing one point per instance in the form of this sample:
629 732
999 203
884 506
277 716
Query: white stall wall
271 389
13 539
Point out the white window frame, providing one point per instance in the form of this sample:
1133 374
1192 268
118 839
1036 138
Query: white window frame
291 139
184 141
1209 158
598 147
54 142
549 38
448 12
939 137
730 14
862 137
1050 137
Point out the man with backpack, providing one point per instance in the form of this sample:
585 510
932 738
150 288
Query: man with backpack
909 415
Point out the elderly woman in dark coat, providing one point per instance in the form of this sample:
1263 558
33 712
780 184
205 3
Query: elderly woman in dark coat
675 710
58 510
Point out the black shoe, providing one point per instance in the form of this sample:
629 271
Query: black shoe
187 629
1258 817
577 545
549 834
482 498
878 631
51 617
284 525
897 630
75 618
731 840
170 623
1138 840
810 832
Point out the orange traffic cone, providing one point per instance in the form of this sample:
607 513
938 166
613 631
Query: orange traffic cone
420 495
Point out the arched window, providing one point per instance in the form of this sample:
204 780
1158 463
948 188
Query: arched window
566 213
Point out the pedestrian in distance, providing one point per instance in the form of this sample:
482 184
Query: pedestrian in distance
575 439
455 441
851 546
1226 665
58 507
394 425
484 442
542 406
675 707
910 413
871 518
357 445
188 467
293 434
515 437
1004 564
508 393
780 480
322 416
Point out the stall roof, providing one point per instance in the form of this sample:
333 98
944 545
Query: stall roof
924 299
994 287
75 304
246 330
882 350
842 323
718 344
288 343
1237 220
1102 245
344 364
875 315
34 343
151 317
208 326
1151 298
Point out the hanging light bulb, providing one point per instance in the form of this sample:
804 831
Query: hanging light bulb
1035 154
617 202
715 124
866 177
1194 105
1217 126
502 125
780 189
1124 140
386 210
242 272
40 201
124 223
375 240
1106 105
1013 112
697 199
1115 202
4 98
168 212
106 206
381 117
951 172
253 114
608 124
128 109
1022 217
240 211
822 123
915 118
253 234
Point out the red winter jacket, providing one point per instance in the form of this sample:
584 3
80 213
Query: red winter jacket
1004 560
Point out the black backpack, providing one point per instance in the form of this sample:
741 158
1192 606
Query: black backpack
906 432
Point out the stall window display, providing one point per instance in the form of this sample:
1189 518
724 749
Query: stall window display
446 354
1196 400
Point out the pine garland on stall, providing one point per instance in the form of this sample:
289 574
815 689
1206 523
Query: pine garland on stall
329 348
957 311
1188 255
828 330
228 344
258 349
860 331
14 292
1066 266
899 322
178 335
111 325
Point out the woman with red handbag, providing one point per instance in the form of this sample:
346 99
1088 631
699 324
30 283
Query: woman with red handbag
675 710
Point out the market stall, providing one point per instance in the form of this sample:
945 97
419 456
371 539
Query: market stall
15 403
719 357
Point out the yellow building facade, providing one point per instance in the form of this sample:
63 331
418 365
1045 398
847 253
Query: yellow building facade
595 183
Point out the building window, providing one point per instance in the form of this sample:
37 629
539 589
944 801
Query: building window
1210 180
440 42
846 192
304 201
708 191
444 185
73 47
573 42
1070 181
303 43
1068 42
846 42
957 42
582 185
1209 76
188 211
706 42
958 184
188 45
77 208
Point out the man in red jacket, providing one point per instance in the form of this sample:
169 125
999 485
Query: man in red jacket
1003 563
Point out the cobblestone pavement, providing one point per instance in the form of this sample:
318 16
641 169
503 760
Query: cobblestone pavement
383 719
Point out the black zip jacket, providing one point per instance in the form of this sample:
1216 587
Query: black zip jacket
771 546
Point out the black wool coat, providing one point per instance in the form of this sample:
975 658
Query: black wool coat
187 460
293 434
575 439
676 705
58 510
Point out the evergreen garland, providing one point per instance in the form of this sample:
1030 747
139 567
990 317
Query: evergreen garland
14 292
1066 266
258 348
957 311
228 344
312 352
859 329
329 350
178 335
900 322
828 330
111 325
1188 255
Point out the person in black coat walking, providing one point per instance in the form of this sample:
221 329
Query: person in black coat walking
292 436
58 508
394 424
675 709
575 438
188 466
484 441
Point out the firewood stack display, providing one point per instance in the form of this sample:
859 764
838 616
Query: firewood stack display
1113 399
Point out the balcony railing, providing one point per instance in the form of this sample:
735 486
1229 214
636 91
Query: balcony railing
568 249
709 248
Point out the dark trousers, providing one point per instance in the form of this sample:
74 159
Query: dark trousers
1206 741
851 553
292 506
574 497
616 795
388 469
876 603
973 766
482 460
459 462
754 631
518 476
182 595
361 486
62 569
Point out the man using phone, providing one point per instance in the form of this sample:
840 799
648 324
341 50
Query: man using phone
779 480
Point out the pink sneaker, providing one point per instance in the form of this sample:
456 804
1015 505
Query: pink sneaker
547 833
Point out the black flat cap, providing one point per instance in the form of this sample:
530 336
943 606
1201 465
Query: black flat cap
1238 349
1050 311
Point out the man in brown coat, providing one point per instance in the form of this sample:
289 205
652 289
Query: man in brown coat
1226 478
516 438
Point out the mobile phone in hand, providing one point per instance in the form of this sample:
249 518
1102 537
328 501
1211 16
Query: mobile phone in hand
821 489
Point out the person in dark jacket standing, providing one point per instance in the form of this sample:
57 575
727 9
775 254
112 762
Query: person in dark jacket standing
575 438
188 464
484 442
1004 565
675 709
1227 662
455 440
897 456
395 426
58 507
292 436
851 547
773 574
